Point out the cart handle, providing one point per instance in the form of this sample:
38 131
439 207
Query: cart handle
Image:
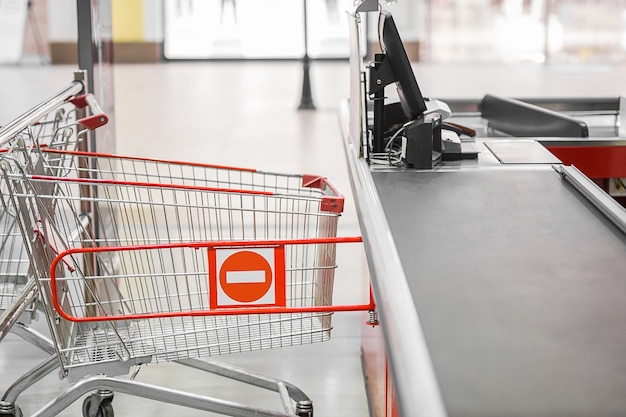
370 306
155 160
331 200
98 117
36 113
328 204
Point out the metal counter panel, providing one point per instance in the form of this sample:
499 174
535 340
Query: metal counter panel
520 285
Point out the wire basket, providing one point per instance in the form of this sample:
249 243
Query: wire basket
159 260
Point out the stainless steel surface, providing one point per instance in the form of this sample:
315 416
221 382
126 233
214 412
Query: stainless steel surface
603 202
93 104
415 382
357 114
519 151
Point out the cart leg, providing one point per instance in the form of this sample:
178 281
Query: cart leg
246 376
28 379
34 337
287 391
7 403
151 392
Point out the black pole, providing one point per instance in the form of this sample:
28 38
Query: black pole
306 101
86 48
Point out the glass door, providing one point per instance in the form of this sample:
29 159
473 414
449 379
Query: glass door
255 29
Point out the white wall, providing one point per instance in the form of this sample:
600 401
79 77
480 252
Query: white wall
62 22
153 20
63 27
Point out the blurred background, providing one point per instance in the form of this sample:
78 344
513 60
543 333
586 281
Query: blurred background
222 81
436 31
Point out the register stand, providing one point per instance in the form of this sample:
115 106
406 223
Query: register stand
498 273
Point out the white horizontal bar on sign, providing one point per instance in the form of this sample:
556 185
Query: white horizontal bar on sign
244 277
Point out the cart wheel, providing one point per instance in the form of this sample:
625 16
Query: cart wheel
105 409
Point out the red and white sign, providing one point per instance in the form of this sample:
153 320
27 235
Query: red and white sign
244 277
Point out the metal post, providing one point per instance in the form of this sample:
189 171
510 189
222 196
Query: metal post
85 44
306 101
95 55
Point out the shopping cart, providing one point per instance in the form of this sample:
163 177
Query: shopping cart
170 261
59 123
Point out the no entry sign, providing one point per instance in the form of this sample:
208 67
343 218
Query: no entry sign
244 277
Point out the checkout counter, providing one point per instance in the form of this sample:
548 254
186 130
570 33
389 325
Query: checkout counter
500 274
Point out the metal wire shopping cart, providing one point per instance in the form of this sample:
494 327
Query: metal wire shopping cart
169 261
60 123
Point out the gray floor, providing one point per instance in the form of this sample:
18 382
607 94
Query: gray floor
246 115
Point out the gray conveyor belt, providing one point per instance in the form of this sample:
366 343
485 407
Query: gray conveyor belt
520 285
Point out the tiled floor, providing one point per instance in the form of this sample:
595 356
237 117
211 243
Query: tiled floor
245 114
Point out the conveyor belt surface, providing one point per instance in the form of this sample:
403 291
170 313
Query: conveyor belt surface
520 286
